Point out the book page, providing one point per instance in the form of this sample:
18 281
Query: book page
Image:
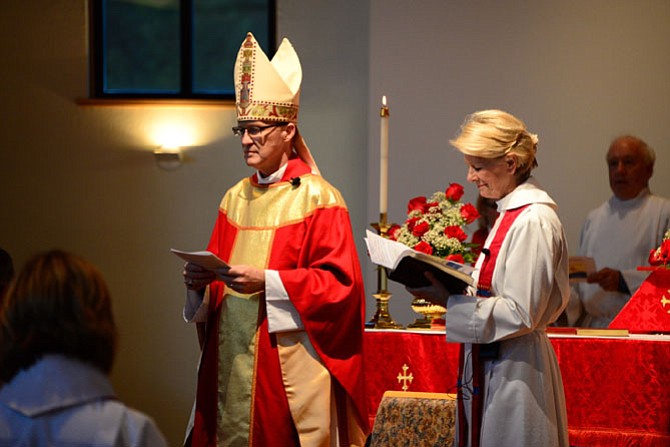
461 271
205 259
385 252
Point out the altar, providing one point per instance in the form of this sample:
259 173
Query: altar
616 388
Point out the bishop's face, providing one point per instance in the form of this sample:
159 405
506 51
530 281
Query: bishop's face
266 145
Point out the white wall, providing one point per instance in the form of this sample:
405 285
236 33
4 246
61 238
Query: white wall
84 179
578 73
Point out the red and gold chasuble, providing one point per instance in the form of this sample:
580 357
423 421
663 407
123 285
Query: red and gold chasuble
248 390
484 284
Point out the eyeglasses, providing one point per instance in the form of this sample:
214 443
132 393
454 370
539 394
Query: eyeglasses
253 131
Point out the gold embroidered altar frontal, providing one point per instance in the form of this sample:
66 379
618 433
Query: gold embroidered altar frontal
414 419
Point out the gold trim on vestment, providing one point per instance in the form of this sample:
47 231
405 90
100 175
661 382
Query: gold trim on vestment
277 205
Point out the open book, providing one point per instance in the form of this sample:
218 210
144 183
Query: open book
407 266
205 259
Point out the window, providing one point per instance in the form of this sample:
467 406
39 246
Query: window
173 48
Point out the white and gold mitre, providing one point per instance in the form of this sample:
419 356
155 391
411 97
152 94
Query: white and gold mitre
267 90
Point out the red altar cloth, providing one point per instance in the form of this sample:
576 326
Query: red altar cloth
648 310
614 387
432 362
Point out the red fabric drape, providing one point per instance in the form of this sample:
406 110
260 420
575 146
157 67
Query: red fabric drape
648 310
431 361
616 389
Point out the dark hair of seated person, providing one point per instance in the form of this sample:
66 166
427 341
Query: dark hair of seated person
58 303
6 271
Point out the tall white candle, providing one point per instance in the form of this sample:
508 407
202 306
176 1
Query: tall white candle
384 157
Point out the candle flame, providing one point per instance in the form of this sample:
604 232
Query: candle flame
384 100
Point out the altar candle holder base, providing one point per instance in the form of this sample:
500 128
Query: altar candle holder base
382 318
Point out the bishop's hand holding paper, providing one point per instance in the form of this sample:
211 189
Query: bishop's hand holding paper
203 267
240 278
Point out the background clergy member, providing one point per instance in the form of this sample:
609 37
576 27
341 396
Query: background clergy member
619 235
281 358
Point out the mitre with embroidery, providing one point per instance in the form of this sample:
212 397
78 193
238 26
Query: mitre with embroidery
269 90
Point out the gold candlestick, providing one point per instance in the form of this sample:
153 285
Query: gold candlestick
382 318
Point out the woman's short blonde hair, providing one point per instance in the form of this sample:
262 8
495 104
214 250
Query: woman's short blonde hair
495 133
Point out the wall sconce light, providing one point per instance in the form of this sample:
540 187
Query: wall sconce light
167 157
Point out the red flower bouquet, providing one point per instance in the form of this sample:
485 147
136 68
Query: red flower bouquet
434 225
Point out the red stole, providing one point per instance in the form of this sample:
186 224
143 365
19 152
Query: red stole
483 291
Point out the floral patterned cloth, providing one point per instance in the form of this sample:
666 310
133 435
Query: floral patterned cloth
414 420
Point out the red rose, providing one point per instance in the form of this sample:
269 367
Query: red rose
411 222
424 247
661 255
469 213
457 232
665 251
420 229
416 204
456 258
454 192
393 232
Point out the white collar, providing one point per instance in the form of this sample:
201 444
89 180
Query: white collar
526 193
272 178
55 382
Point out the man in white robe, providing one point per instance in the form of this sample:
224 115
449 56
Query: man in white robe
619 234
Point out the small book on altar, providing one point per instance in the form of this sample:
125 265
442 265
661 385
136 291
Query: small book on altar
407 266
587 331
579 267
602 332
205 259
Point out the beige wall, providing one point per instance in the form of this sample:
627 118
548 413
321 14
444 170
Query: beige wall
84 178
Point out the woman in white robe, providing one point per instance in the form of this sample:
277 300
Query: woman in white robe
521 288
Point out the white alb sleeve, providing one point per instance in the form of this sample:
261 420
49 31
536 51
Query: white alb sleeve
282 314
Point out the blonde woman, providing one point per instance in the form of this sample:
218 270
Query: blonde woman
510 393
